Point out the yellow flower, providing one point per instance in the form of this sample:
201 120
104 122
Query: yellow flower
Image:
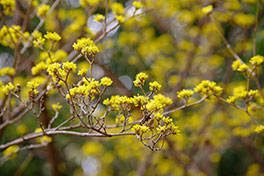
243 68
86 46
174 129
38 68
90 50
56 72
257 60
84 3
8 88
69 66
105 81
253 93
236 64
208 88
154 86
56 107
32 84
167 120
83 72
231 99
52 68
8 6
39 42
7 32
158 103
161 129
140 129
82 43
185 94
43 10
259 129
120 19
140 79
53 36
117 8
36 34
7 71
208 9
99 18
44 139
158 116
137 4
11 151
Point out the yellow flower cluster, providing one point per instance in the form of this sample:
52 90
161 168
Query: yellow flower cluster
38 68
154 86
140 101
161 129
254 61
117 102
56 107
33 87
231 99
8 88
44 139
56 72
85 3
69 66
10 152
140 79
105 81
83 72
52 57
158 102
158 116
257 60
9 6
87 89
43 10
259 129
39 42
246 95
140 129
120 19
168 126
99 18
208 9
7 71
208 88
117 8
137 4
186 94
9 36
238 66
53 36
86 46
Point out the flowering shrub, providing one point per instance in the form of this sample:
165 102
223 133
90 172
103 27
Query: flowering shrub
70 73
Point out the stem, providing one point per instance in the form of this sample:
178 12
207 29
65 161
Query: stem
256 31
